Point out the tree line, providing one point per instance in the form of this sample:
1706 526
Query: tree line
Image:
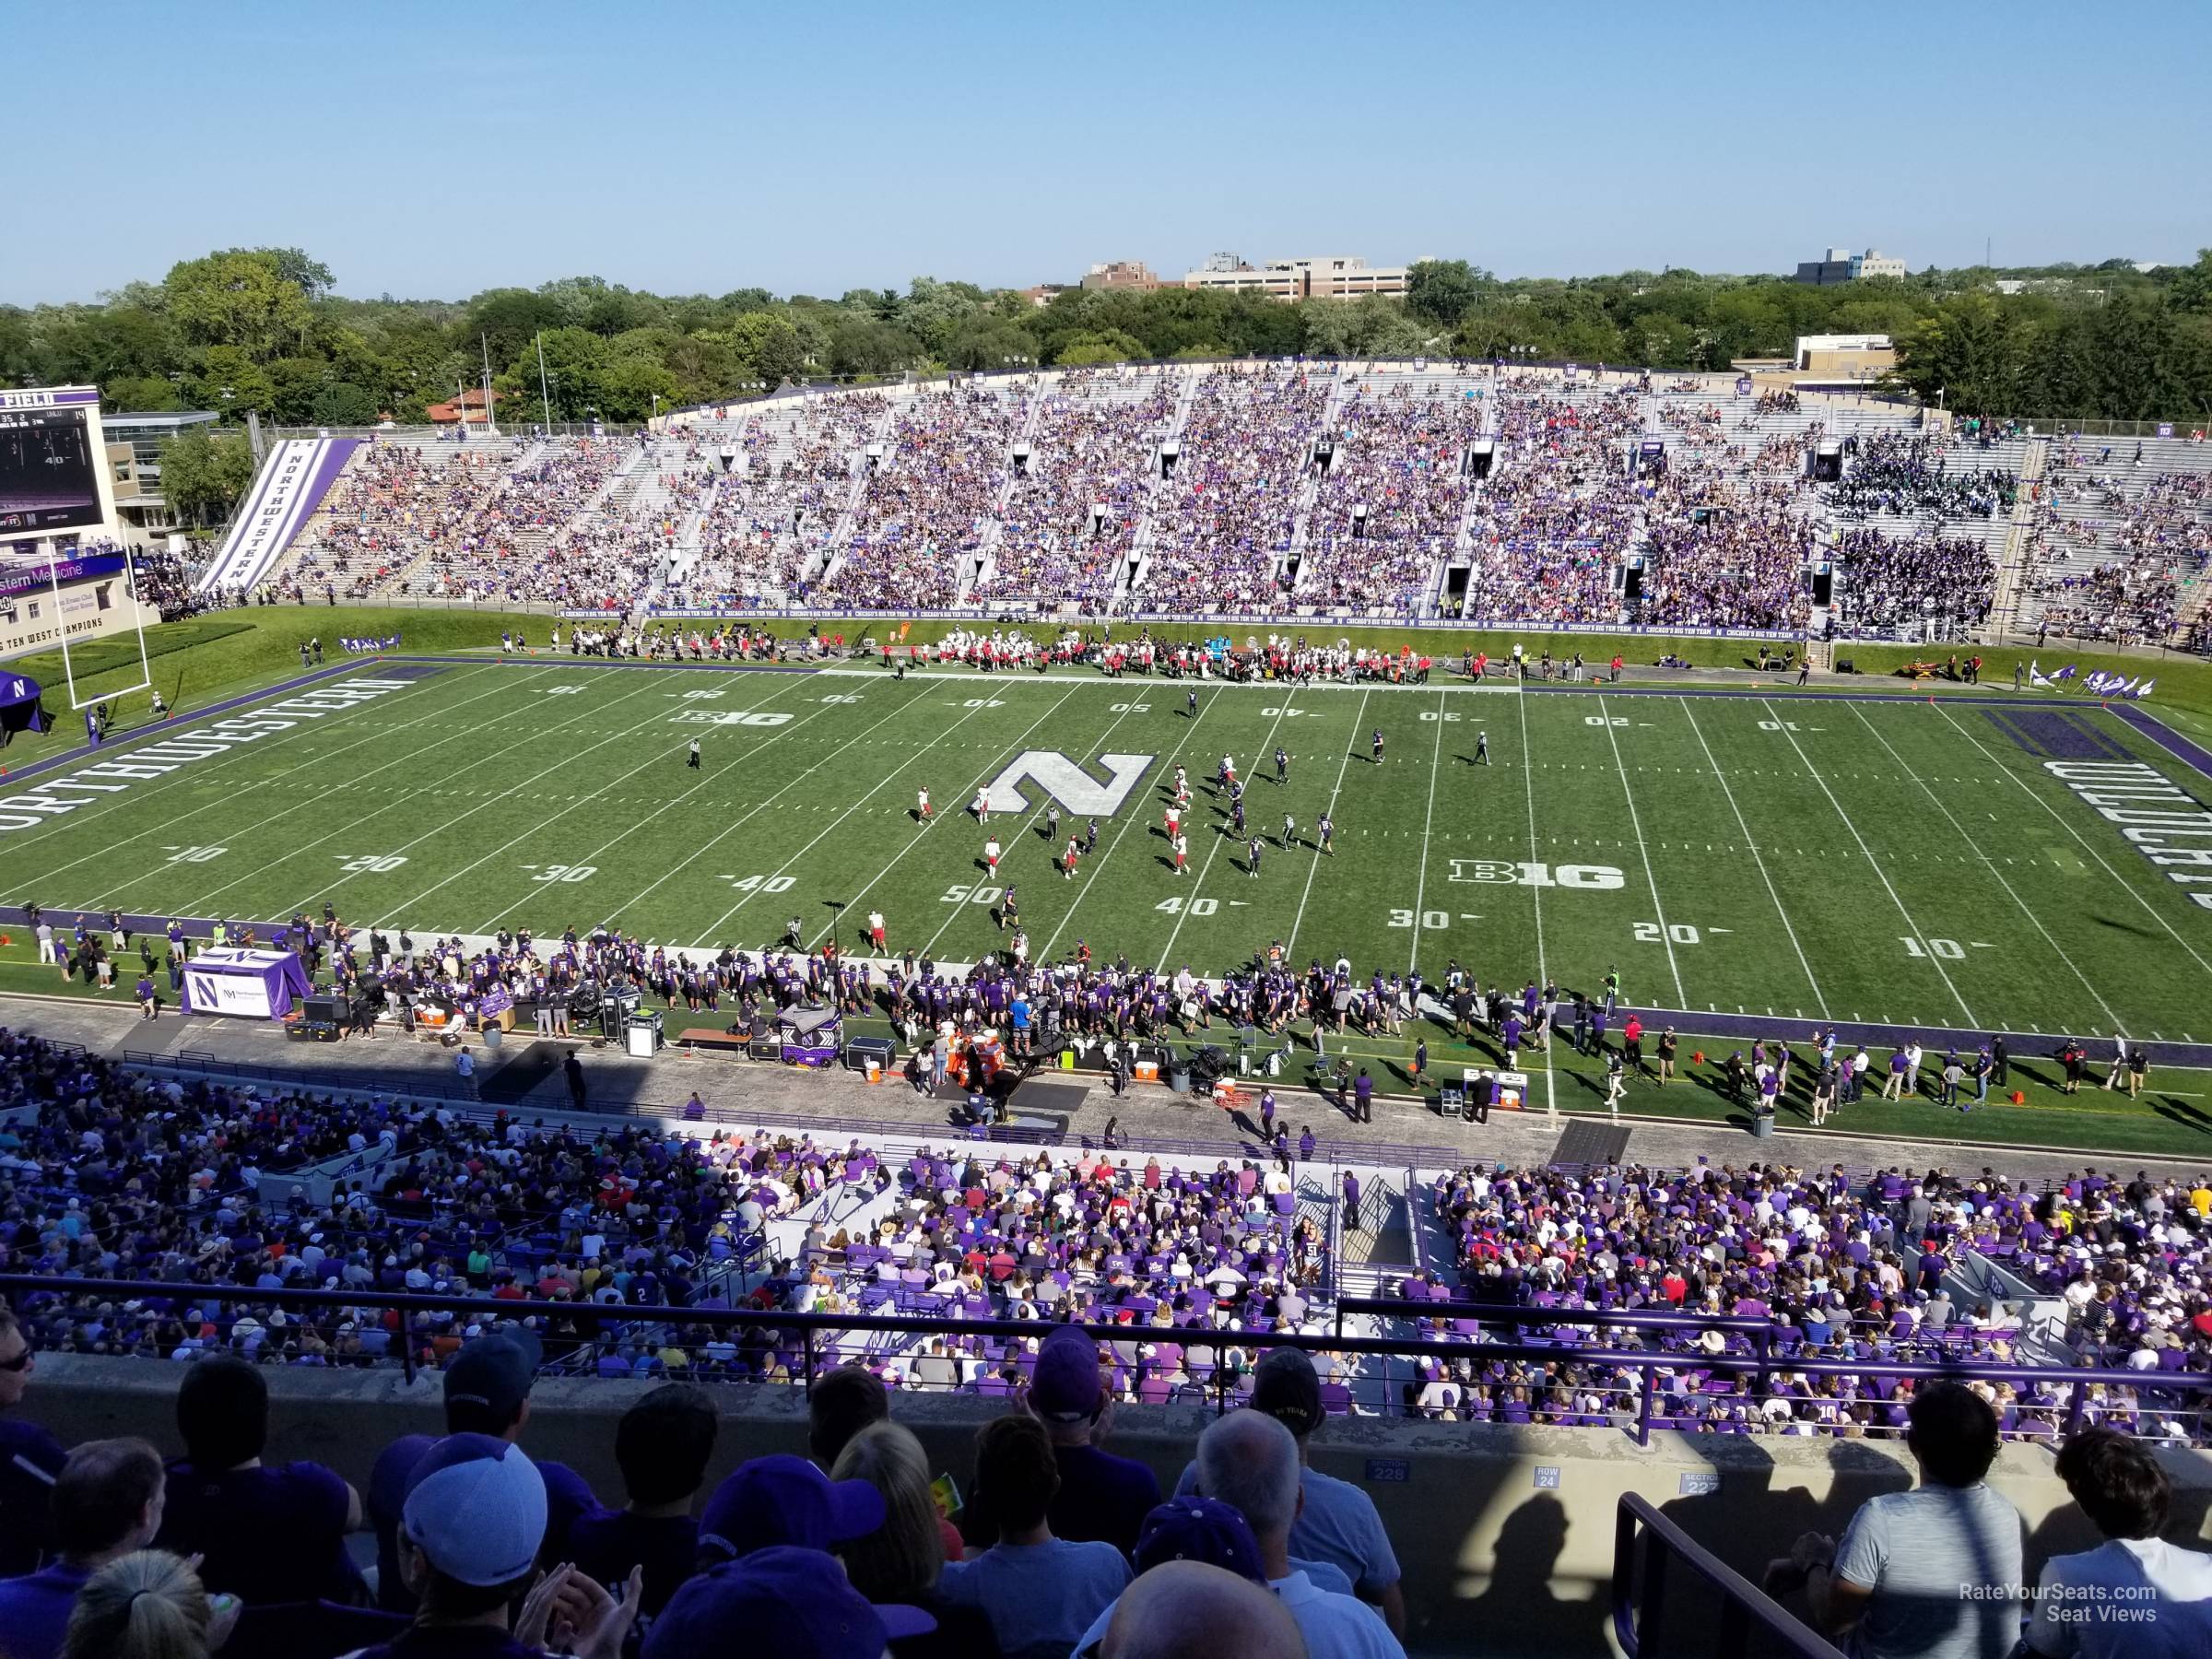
263 329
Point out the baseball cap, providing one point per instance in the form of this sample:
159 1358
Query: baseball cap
494 1371
785 1500
1284 1386
785 1600
1066 1383
477 1507
1199 1529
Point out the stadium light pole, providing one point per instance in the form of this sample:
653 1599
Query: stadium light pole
545 397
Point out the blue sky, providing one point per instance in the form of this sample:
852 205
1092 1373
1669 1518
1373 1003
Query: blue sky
433 150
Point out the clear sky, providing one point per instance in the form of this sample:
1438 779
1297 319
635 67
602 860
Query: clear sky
430 151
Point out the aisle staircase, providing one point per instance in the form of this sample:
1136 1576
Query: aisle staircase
2020 540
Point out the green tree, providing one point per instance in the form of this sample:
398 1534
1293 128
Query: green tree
343 404
1112 346
1444 291
205 473
241 300
228 381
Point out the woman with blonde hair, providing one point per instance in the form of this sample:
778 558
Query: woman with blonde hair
902 1560
147 1605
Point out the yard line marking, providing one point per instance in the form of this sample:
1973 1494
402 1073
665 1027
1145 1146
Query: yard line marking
594 856
1266 743
1820 1000
625 734
2033 919
182 730
1812 771
1420 879
1665 936
230 799
2125 886
1120 829
1045 803
1358 719
1528 777
966 798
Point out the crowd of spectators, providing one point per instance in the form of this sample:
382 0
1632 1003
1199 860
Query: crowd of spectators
1888 581
2116 552
1910 475
1391 500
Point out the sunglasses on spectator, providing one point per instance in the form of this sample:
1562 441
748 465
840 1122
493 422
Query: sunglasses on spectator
20 1362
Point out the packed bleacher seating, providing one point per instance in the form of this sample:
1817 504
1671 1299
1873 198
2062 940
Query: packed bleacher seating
2120 547
1390 505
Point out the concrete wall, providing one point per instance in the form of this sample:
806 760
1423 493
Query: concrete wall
1505 1535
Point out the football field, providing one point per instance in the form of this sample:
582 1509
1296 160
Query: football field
1973 861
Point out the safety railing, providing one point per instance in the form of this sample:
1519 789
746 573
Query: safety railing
1643 1600
1222 1385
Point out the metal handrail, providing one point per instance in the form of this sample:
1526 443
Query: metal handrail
1743 1604
1646 1366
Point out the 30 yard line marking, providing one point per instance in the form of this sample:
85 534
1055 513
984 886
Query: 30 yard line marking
1960 829
2127 887
625 734
1358 719
594 856
1420 879
1666 933
1729 796
1528 776
1814 772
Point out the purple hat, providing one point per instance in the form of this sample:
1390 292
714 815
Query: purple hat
786 1601
1065 1386
785 1500
1199 1529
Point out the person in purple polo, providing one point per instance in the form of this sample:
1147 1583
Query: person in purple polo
1100 1496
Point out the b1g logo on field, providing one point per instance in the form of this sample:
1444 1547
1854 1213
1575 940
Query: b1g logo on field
1588 877
1068 784
731 717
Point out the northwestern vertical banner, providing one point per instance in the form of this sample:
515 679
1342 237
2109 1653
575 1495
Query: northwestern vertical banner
291 485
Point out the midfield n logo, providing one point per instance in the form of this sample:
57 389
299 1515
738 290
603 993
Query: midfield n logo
1068 784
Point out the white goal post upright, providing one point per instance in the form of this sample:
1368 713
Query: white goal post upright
145 670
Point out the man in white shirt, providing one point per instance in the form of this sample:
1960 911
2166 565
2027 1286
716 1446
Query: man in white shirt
2135 1595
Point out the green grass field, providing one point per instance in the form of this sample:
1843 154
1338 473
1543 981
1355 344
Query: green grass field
1805 858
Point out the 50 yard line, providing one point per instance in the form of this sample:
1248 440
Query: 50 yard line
1665 937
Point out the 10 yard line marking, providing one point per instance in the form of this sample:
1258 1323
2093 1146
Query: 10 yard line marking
1812 771
1420 880
1629 794
2126 886
1729 796
1528 777
2033 919
1358 719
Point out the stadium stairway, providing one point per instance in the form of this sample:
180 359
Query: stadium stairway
2019 538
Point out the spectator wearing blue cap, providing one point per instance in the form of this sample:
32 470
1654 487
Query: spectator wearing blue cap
1337 1533
1039 1592
487 1392
661 1446
784 1601
1101 1497
1183 1531
1185 1607
263 1535
471 1523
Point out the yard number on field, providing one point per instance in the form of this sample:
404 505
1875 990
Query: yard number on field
563 872
1199 907
370 864
196 854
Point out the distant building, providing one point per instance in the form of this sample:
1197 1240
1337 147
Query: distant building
1842 265
469 409
1044 293
1330 276
1133 274
133 443
1844 356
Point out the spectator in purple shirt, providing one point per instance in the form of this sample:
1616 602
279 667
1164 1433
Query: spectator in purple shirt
662 1444
106 1504
1100 1496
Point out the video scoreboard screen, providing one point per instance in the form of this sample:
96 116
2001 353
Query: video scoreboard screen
48 478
